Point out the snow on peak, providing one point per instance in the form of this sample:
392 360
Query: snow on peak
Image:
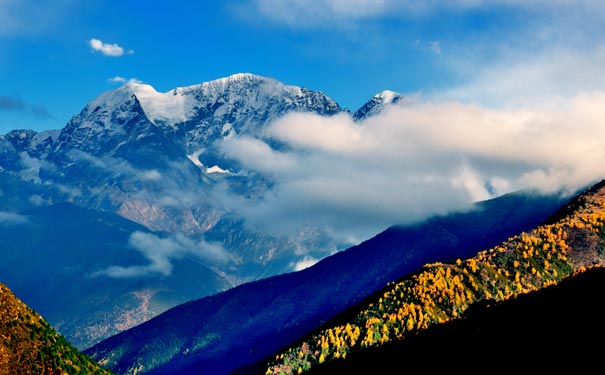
182 103
117 97
239 81
388 96
170 107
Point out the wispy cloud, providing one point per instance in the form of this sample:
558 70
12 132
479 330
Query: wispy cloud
315 13
117 79
306 262
9 218
330 13
108 49
522 78
15 103
162 251
121 80
41 112
11 103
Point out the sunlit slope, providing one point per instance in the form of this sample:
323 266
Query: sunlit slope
30 346
442 292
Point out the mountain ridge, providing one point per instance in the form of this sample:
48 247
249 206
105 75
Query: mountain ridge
235 328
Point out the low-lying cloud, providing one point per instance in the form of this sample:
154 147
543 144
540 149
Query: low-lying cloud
410 162
162 251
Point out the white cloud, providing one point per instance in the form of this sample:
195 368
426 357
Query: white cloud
120 80
117 79
301 12
162 251
265 159
306 262
151 175
525 79
411 162
107 49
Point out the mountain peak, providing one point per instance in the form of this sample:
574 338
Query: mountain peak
377 103
388 96
237 82
239 78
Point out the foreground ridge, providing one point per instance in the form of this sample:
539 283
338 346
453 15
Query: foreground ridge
442 292
30 346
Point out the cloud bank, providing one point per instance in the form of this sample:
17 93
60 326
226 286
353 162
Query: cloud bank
410 162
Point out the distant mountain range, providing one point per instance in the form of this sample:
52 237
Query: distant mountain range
121 202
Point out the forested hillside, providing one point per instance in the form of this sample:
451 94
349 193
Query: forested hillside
553 329
30 346
571 242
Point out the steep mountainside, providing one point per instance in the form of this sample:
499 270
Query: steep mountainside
570 242
29 345
553 329
154 159
237 328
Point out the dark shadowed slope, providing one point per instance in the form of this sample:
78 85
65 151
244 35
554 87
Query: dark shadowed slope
225 332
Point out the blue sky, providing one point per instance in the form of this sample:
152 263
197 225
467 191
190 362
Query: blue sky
494 53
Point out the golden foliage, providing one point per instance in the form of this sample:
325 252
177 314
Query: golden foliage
441 292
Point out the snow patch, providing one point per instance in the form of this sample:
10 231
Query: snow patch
388 96
195 158
170 107
217 169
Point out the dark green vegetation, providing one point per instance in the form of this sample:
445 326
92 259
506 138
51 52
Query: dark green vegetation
568 244
30 346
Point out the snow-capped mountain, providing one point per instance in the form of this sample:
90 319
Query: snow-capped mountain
155 159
